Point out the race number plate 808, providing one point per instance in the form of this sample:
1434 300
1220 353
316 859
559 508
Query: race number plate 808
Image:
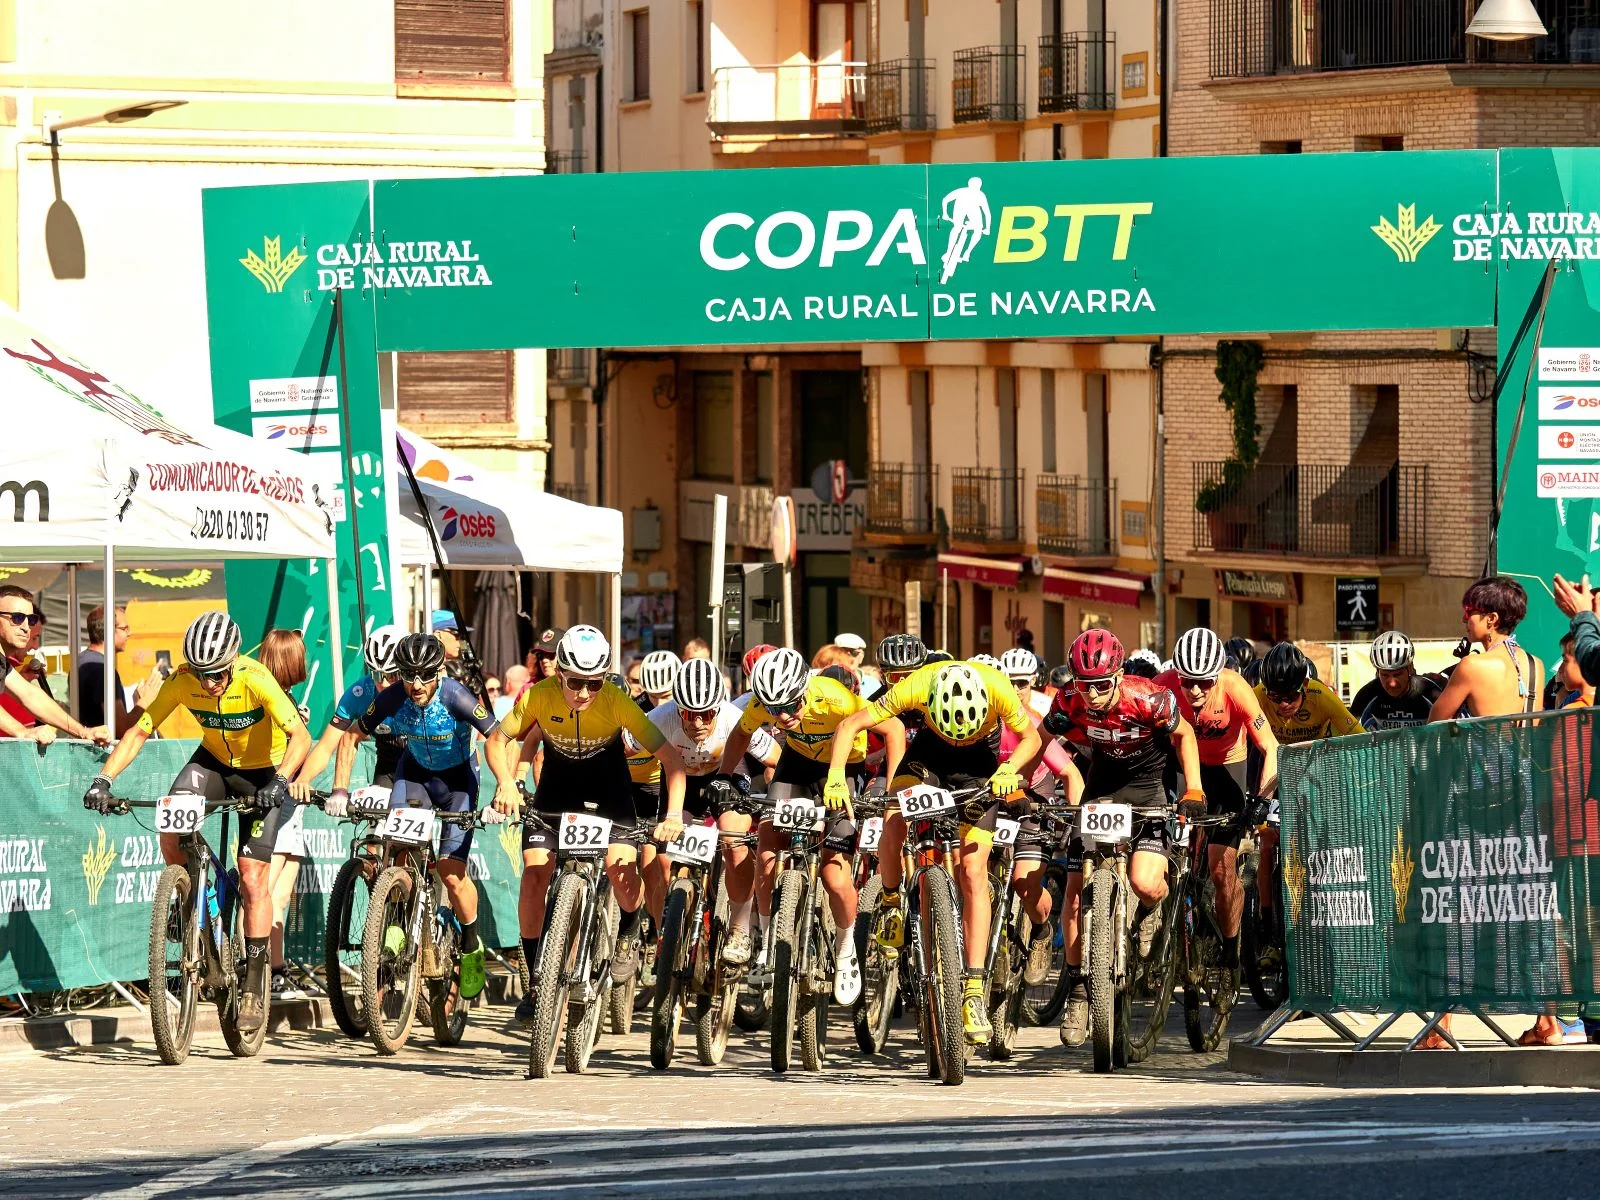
1107 822
180 814
925 801
413 826
582 834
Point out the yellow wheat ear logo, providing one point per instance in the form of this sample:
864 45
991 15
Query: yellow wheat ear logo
1407 238
97 860
511 843
1401 865
273 270
1294 880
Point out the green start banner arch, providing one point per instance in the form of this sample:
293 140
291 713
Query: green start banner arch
1258 244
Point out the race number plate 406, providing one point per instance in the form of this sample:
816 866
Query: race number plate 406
871 834
1107 822
696 844
413 826
583 834
925 801
180 814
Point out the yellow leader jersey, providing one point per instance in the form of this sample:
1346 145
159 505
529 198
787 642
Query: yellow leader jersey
580 735
1321 714
827 702
247 726
916 690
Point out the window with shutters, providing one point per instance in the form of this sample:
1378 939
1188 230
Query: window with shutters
636 28
461 389
461 42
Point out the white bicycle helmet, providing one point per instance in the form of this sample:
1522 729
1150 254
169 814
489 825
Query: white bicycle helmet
901 652
959 704
1017 663
1391 651
657 671
779 679
698 686
583 650
987 660
379 649
1199 655
1146 656
211 642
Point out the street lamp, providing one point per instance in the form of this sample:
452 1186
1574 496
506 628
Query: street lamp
115 116
1507 21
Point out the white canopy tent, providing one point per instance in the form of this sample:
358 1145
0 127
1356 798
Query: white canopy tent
92 470
489 520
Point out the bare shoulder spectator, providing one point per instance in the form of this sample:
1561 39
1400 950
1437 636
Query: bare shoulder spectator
26 705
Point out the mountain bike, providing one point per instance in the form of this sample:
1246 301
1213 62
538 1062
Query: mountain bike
411 936
1005 991
1129 993
880 970
1261 935
1209 989
348 904
803 937
580 937
689 967
196 939
1043 1001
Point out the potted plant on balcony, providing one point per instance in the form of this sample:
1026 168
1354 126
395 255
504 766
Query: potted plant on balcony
1238 367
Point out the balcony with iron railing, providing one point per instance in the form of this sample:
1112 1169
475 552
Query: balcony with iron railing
1311 510
900 96
901 503
1072 517
986 508
569 367
565 162
1252 38
987 84
788 100
1075 72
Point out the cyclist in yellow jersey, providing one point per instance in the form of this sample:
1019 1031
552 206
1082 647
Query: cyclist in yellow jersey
251 741
964 705
579 718
811 710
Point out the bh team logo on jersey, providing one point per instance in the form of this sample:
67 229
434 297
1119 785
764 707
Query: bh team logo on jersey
455 523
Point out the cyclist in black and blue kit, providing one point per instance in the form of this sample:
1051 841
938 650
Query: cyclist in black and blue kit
436 717
338 744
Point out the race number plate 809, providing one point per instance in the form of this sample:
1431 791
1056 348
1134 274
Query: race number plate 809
582 834
1107 822
180 814
794 814
925 801
413 826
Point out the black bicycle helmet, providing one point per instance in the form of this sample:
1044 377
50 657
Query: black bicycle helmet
939 656
1285 670
901 652
1241 652
419 654
1061 677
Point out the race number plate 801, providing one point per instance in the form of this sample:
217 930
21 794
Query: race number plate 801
1107 822
180 814
925 801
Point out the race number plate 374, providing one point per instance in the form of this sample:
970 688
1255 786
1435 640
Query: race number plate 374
414 826
1107 822
583 834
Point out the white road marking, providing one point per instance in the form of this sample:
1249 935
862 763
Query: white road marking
35 1101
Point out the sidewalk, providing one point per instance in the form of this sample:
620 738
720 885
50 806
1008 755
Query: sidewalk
1307 1051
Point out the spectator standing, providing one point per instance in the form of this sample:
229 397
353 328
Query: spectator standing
90 676
542 658
633 677
283 653
696 648
19 626
855 646
513 682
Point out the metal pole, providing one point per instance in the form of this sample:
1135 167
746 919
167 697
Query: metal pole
335 628
74 647
1158 499
109 694
944 609
719 559
788 605
427 598
913 622
616 620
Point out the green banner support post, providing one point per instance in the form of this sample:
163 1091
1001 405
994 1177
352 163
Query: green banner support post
286 370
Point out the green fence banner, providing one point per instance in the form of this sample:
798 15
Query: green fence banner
1447 864
76 887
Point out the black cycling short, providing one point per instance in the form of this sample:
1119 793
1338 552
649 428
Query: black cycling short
1225 788
450 789
599 785
1137 791
948 762
797 775
205 775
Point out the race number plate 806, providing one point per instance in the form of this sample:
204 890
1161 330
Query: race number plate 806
180 814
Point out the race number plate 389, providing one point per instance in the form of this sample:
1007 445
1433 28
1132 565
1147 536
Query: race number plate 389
582 834
413 826
180 814
696 844
1106 822
925 801
871 834
794 814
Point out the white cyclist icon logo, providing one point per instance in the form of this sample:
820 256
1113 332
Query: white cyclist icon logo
967 210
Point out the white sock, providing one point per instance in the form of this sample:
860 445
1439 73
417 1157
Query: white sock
847 944
740 918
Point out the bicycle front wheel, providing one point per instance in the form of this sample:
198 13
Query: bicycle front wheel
785 953
341 944
880 978
556 961
942 998
1102 988
174 965
389 966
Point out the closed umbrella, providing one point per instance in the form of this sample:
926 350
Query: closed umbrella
495 625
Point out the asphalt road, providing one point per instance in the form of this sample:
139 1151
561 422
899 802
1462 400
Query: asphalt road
320 1115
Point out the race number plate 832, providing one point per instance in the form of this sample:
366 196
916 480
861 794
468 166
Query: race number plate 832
582 834
1107 822
180 814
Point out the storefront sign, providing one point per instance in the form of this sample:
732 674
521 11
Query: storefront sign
1121 588
991 572
1272 587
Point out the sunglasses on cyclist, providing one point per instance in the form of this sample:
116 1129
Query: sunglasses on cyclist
1095 687
582 685
29 619
1191 682
422 680
1291 699
785 710
211 677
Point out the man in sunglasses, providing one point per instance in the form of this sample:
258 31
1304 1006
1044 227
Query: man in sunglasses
252 741
1133 727
1226 717
27 709
577 716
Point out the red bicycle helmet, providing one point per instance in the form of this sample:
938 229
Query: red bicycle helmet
1095 654
753 654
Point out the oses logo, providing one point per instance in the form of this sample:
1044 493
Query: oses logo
454 523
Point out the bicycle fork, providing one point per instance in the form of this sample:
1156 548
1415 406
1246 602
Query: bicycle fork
581 975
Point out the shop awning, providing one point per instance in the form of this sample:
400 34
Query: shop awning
1103 587
991 572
